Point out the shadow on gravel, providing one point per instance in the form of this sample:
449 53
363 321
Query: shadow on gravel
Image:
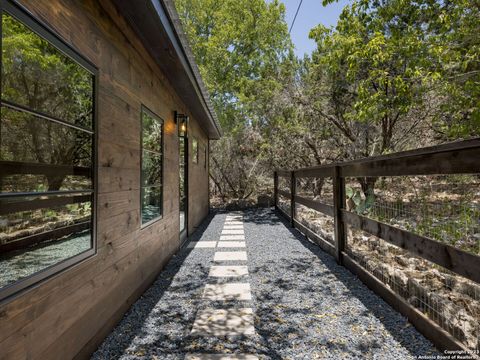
261 216
146 319
275 325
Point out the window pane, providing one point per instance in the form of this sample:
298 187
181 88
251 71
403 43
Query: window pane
205 157
152 132
33 240
27 140
37 75
151 168
151 203
194 150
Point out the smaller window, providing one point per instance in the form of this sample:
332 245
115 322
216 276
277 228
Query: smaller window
152 167
194 150
206 156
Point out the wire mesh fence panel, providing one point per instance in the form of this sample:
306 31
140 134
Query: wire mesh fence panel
318 189
319 223
284 183
284 204
449 300
444 208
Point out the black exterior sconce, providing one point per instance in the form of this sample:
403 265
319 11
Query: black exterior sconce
182 124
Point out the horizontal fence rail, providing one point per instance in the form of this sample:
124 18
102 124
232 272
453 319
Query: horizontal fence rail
454 158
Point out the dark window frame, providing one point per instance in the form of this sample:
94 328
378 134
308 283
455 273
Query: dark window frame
143 109
23 15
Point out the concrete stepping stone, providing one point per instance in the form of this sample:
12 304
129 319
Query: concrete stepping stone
231 244
228 271
224 322
220 357
229 291
230 256
233 222
232 237
202 244
232 232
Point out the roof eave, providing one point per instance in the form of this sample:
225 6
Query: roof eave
158 26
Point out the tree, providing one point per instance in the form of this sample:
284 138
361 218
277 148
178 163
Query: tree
39 77
385 74
243 50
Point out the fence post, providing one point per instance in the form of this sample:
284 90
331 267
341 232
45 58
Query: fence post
275 190
339 203
292 198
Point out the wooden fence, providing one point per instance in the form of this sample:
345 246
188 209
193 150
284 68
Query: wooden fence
455 158
17 202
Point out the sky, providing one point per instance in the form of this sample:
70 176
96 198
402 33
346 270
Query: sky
311 14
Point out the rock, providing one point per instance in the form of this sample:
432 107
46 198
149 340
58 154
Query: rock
264 201
401 260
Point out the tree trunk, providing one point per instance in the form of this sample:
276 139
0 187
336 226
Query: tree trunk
54 182
368 185
318 187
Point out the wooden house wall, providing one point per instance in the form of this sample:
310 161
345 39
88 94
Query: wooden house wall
69 314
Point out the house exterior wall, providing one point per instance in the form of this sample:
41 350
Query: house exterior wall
69 314
197 179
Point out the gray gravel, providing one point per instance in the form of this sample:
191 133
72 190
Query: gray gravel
19 264
305 305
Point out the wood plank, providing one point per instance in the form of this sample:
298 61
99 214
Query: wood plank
283 213
115 203
315 205
338 204
455 161
117 179
316 172
293 189
283 173
275 189
454 145
449 257
119 156
18 168
13 206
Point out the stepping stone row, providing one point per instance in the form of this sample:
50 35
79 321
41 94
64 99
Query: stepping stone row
230 321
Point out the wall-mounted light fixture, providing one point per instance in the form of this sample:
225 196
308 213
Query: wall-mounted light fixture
182 124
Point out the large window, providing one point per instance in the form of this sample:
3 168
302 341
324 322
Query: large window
152 169
47 139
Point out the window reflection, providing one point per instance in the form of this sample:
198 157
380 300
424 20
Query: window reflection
152 166
38 76
46 155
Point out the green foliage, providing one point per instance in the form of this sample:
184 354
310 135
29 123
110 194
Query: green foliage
240 47
358 203
391 75
394 60
40 77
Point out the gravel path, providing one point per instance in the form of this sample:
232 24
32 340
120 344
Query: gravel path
305 306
